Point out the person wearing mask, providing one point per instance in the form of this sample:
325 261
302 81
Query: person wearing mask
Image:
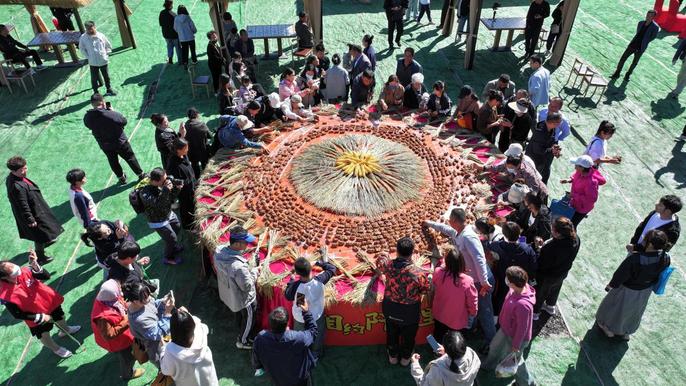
502 84
359 61
96 48
586 182
165 136
424 8
539 82
337 82
466 241
284 354
27 298
628 292
157 198
516 167
236 283
166 21
646 32
413 98
543 147
148 318
407 67
554 262
538 11
405 283
309 82
188 358
554 27
33 216
516 150
225 95
215 59
488 121
198 136
517 124
664 218
511 252
362 89
597 147
82 204
179 167
128 266
110 325
533 218
106 237
439 104
455 298
467 108
395 9
16 51
458 365
310 287
563 130
303 32
107 127
391 98
369 50
184 26
516 321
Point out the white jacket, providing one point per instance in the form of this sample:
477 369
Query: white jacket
96 48
191 366
438 371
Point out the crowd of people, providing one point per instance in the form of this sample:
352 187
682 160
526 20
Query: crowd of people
492 284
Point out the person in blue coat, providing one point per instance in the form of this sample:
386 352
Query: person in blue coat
231 132
646 31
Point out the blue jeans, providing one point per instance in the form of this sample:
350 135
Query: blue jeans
485 312
173 44
462 20
412 9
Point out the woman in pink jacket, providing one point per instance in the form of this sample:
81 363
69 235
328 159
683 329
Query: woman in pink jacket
585 181
455 296
288 86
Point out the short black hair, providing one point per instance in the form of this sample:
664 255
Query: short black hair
278 320
405 247
534 199
484 225
15 163
336 59
302 266
96 98
511 231
517 276
180 143
135 291
192 113
458 214
75 175
356 47
227 16
439 85
302 14
368 73
658 239
209 33
182 328
410 50
319 47
671 203
253 105
495 94
606 127
504 78
157 174
553 117
536 59
514 161
128 249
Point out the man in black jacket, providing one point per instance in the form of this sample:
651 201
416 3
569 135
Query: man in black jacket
215 59
538 11
663 218
167 23
395 10
8 47
157 199
362 89
198 136
543 146
32 214
107 127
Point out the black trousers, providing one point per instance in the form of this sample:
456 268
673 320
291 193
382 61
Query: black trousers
186 209
126 152
440 330
444 12
424 8
543 163
216 73
547 290
198 163
95 77
628 52
126 362
531 35
22 55
185 46
397 27
552 38
576 219
400 338
247 320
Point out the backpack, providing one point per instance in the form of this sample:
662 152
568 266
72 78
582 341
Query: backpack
135 199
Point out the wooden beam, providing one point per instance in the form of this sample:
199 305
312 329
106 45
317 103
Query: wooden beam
568 16
473 32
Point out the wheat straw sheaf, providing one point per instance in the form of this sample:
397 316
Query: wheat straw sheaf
358 174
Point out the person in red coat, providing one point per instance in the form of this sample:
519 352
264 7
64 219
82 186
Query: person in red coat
29 299
110 325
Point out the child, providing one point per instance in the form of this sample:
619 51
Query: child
312 288
82 204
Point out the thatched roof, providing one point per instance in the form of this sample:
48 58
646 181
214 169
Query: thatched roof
50 3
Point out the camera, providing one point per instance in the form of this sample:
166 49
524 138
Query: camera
175 181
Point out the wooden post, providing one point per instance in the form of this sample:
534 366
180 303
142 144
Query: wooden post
449 19
473 33
79 22
125 31
568 15
313 8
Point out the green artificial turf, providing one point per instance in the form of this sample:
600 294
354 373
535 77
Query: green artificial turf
46 127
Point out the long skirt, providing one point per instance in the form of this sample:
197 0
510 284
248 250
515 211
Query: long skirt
622 309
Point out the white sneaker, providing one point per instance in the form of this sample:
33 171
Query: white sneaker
63 353
552 310
536 315
242 346
71 329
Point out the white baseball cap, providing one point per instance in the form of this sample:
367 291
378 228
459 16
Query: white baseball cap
514 150
585 161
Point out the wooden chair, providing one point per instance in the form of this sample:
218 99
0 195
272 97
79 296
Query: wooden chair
298 52
10 73
579 68
595 80
542 39
198 81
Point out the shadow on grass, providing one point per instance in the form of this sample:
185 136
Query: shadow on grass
676 166
666 108
604 355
